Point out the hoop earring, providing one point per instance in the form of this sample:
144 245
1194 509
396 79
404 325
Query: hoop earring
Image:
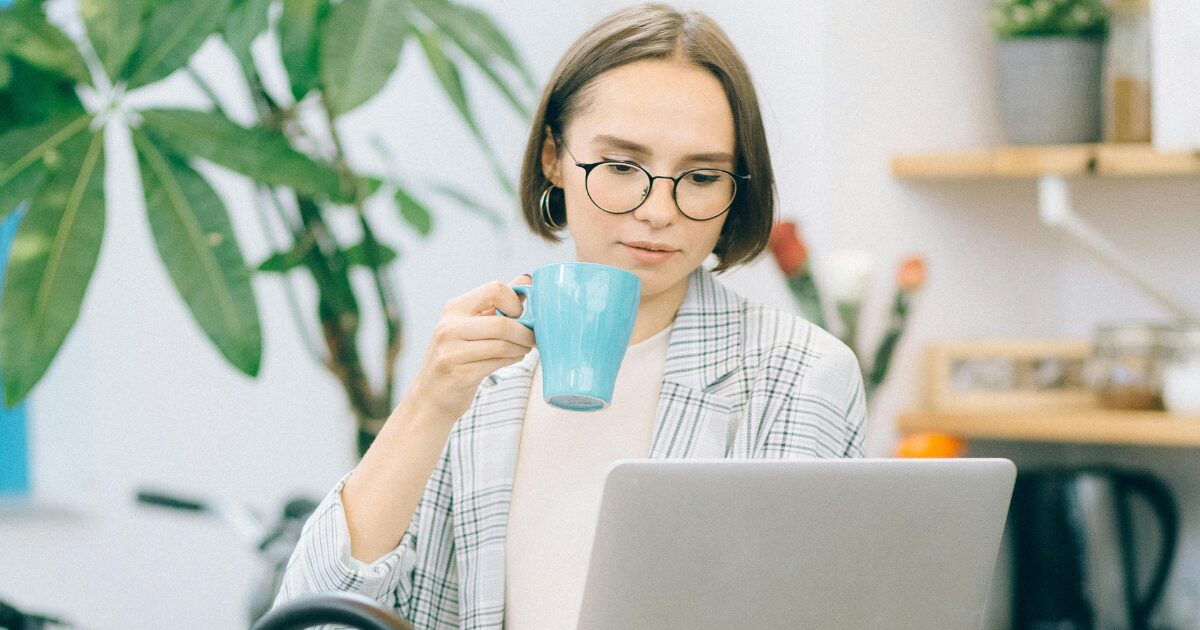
544 204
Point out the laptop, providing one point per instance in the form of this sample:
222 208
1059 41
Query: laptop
816 544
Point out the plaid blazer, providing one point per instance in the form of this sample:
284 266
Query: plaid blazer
740 380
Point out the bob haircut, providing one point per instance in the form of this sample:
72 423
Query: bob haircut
656 31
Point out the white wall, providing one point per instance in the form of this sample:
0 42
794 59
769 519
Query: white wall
843 86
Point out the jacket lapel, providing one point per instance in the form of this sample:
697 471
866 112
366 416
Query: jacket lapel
695 414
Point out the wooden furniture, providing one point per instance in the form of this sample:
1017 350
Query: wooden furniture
1091 426
1053 166
1101 160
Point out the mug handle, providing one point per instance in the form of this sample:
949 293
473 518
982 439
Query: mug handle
526 318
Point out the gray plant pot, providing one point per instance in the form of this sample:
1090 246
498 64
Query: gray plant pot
1049 89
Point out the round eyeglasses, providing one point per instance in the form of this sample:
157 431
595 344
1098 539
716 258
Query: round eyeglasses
620 187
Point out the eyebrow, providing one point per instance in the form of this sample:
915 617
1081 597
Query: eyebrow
629 145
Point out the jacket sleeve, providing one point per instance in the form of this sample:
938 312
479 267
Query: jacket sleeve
321 561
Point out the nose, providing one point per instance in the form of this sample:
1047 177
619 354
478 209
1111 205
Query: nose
659 208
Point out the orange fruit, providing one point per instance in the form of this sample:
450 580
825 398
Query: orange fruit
931 445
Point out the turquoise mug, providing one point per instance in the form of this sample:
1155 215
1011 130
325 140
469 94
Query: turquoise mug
582 315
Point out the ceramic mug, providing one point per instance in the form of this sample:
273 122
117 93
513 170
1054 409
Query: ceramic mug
582 315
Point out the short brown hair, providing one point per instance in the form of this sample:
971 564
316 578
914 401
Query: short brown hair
656 31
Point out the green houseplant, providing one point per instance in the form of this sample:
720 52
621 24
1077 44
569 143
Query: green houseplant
1049 62
337 54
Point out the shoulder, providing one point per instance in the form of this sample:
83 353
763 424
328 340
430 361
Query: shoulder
783 341
808 381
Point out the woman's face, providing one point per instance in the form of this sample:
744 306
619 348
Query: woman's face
668 116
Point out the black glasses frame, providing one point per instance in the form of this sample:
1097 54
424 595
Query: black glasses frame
588 167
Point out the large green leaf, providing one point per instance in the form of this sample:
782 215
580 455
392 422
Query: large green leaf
283 262
20 188
299 35
40 97
27 154
447 75
50 264
174 33
477 36
6 71
360 47
197 244
29 36
258 153
451 81
113 27
247 19
414 212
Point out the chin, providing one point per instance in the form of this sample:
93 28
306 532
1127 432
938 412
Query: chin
655 281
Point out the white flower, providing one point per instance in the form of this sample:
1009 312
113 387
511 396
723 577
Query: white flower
847 275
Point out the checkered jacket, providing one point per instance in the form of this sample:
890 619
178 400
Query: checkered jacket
740 380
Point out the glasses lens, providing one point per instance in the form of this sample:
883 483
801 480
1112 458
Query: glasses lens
704 194
617 187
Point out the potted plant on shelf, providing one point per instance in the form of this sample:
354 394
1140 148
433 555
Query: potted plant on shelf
1049 69
337 56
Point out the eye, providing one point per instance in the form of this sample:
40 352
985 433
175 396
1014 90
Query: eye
620 168
703 178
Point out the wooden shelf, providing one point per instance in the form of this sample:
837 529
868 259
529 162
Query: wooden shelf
1092 426
1104 160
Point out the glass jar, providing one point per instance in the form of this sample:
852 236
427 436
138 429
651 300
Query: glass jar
1181 369
1125 366
1127 73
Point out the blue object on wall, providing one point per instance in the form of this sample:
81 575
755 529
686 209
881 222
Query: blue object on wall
14 439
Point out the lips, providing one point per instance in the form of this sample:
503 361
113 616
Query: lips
651 246
649 253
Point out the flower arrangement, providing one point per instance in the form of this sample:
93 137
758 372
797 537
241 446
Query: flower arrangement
847 281
1047 18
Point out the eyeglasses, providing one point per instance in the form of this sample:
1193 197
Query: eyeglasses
620 187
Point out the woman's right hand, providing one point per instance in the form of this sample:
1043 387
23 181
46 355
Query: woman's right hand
469 342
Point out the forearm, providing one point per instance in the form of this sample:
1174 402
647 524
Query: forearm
382 494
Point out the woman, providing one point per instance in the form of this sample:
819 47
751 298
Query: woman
476 505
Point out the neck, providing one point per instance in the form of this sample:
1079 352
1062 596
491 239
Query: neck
656 312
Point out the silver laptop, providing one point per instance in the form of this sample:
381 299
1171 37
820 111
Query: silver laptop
816 544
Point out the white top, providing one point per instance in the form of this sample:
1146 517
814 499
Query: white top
561 463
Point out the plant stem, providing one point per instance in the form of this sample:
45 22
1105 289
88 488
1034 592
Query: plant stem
387 301
887 347
289 291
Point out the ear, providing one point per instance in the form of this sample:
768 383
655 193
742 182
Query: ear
550 158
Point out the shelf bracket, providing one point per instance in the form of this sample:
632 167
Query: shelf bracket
1055 210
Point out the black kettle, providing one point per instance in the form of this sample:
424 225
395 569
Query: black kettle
1056 524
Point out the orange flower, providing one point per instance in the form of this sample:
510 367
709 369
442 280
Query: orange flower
789 250
931 445
911 275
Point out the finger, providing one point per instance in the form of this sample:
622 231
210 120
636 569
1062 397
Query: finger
495 327
490 296
484 351
488 366
523 279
